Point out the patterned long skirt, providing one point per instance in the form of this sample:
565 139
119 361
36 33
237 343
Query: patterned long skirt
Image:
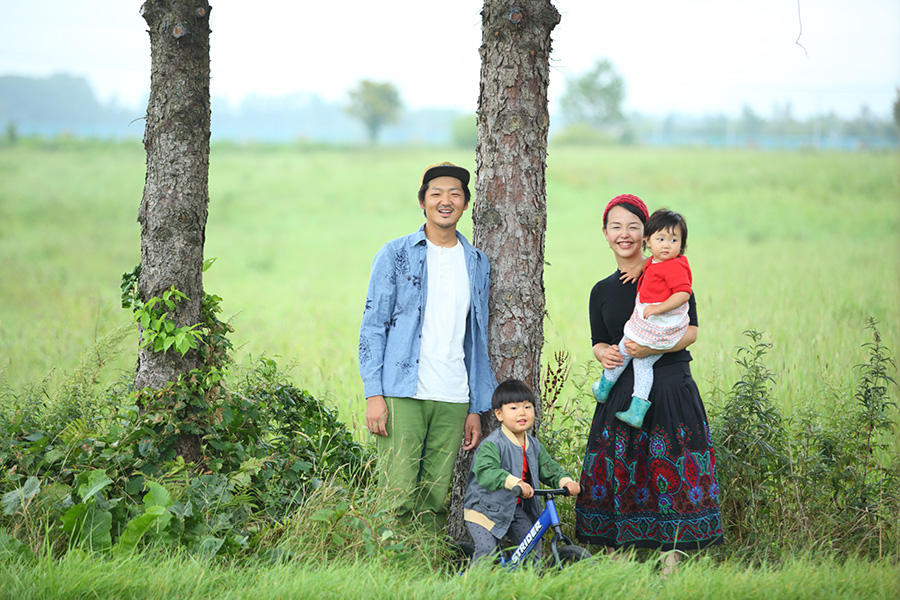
653 487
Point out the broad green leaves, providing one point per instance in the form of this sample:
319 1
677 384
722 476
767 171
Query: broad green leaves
13 501
159 331
156 502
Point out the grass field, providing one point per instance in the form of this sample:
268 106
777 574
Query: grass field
78 575
802 246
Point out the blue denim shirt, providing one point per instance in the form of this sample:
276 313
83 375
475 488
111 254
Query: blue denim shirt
391 331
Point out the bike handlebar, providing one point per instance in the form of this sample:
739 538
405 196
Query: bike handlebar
517 491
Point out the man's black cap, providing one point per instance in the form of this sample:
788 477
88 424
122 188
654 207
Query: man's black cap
448 169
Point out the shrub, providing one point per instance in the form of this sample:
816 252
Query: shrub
846 464
827 476
101 468
751 447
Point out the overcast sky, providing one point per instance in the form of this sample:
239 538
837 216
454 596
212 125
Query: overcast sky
693 56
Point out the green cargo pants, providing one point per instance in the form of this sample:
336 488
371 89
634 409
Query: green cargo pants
416 457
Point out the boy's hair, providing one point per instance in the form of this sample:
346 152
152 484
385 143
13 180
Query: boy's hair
511 390
667 219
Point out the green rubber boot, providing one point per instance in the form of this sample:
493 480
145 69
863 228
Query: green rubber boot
601 389
634 416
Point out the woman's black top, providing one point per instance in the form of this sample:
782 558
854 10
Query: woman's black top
612 303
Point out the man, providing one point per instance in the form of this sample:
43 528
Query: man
423 353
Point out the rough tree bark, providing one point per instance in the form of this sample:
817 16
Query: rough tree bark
174 204
510 210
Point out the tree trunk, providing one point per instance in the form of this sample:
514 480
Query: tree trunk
510 210
174 205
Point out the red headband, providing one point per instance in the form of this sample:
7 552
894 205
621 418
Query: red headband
627 199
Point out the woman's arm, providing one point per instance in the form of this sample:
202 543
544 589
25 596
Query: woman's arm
638 351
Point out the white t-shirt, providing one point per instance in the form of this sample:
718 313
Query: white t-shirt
442 368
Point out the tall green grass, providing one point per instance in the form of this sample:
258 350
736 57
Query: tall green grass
79 575
799 245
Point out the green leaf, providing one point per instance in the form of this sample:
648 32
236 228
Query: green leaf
301 466
323 514
31 488
11 547
53 455
72 518
96 481
134 484
158 344
96 531
182 510
19 497
157 495
168 343
210 545
183 345
136 529
208 263
170 326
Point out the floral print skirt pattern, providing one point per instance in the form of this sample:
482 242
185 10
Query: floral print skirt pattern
653 487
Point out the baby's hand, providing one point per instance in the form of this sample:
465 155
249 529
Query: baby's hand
527 490
651 310
631 275
573 487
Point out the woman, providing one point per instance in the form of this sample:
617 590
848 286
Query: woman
653 487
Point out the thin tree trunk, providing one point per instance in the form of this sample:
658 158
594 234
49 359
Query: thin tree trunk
510 210
174 205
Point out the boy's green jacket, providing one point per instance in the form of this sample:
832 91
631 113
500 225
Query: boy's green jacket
496 469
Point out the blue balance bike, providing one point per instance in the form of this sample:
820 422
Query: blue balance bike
561 555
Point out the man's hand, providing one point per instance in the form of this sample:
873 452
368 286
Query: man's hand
573 487
472 431
376 415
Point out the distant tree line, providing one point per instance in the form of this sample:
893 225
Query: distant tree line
779 129
61 103
591 112
66 105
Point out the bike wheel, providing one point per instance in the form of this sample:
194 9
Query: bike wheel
571 553
461 554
